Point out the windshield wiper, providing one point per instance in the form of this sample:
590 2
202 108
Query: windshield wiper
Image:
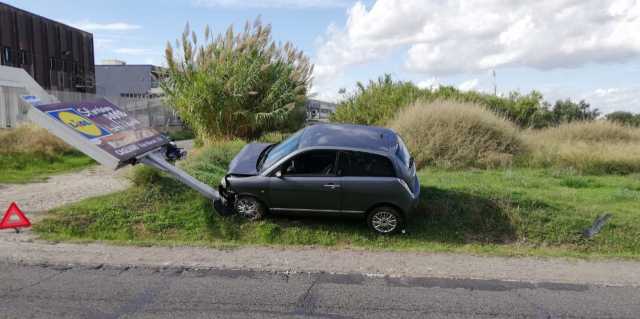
263 156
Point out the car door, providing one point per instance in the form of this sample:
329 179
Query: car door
366 179
308 183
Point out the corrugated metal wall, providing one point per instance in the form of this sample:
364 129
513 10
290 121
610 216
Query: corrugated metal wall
57 56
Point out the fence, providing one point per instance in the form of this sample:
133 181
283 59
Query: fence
150 111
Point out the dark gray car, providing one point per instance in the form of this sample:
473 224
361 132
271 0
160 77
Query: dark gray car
327 169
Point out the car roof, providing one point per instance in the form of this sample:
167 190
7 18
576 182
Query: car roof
349 136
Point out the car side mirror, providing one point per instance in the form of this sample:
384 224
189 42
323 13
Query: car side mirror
279 173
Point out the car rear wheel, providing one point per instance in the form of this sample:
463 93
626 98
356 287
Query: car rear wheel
385 220
249 208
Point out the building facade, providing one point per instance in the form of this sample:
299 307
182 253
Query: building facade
117 78
319 111
57 56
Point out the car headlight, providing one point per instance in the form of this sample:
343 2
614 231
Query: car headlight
223 182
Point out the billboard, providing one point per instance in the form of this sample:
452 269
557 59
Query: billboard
99 129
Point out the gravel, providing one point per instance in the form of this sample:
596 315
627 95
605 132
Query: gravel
37 198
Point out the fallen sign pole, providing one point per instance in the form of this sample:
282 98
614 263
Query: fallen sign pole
104 132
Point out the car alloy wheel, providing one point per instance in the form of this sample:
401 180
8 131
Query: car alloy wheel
385 220
249 208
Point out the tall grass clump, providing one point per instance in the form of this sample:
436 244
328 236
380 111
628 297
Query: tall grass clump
457 135
238 83
32 141
595 147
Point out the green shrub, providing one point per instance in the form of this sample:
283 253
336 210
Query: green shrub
624 118
236 85
376 103
181 135
454 134
143 175
380 100
211 162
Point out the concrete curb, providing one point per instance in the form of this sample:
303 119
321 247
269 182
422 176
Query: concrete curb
25 248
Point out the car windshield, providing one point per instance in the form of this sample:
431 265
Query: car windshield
281 150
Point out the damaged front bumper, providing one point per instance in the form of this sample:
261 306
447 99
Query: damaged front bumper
224 205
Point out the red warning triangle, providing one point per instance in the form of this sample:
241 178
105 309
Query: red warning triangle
14 218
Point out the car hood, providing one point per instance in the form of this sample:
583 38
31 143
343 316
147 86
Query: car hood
245 162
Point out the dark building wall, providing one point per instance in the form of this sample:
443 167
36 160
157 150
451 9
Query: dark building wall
57 56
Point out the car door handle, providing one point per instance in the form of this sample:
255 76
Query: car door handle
332 186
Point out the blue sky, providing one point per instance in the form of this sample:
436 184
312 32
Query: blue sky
566 49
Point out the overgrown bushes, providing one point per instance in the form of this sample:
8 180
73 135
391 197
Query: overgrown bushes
452 134
376 103
380 100
457 135
596 147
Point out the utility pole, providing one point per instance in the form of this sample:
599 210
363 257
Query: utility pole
495 84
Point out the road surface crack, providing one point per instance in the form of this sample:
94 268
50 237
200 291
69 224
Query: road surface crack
306 303
45 279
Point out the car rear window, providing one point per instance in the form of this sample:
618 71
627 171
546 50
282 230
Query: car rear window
365 164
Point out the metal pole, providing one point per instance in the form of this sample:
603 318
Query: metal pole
156 160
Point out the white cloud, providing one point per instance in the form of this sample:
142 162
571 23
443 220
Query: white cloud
114 26
133 51
469 85
432 83
102 43
460 36
286 4
608 100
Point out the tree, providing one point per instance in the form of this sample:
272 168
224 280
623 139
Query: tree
236 85
565 111
624 118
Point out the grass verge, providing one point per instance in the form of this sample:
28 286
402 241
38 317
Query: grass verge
25 168
29 154
538 212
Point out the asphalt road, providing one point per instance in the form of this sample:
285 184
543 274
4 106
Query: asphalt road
42 291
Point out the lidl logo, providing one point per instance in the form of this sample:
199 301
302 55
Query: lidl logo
79 123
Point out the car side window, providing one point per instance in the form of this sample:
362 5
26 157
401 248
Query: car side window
365 164
311 163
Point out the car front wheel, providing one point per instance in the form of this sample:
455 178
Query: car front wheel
249 208
385 220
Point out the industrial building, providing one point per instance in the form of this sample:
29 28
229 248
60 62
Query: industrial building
115 78
57 56
319 111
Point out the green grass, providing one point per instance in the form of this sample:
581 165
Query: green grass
181 135
26 168
499 212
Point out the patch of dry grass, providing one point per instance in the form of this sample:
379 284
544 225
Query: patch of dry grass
29 139
455 134
598 147
29 153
